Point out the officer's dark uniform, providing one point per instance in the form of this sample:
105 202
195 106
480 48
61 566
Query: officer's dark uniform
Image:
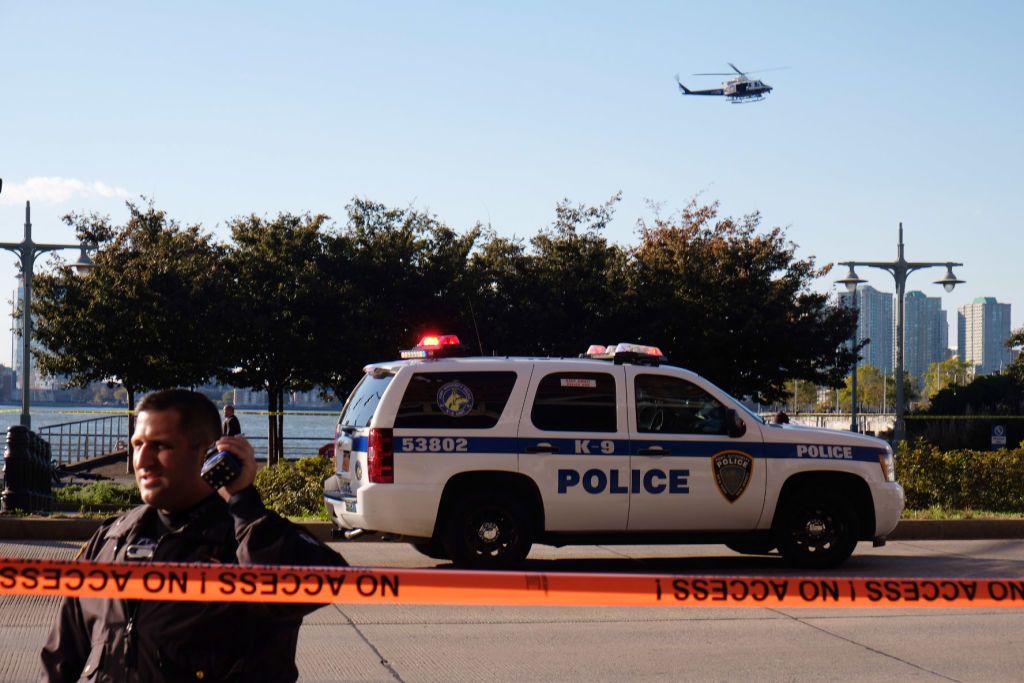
141 640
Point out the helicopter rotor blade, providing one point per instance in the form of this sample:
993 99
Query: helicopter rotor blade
774 68
741 73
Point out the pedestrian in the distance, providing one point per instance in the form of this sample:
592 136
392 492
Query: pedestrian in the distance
230 426
184 520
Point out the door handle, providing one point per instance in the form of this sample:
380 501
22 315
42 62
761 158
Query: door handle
542 447
652 450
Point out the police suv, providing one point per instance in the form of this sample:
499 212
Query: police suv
474 459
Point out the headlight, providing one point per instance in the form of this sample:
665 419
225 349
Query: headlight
888 467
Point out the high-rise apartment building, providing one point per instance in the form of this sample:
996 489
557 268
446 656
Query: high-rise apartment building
875 323
982 330
925 334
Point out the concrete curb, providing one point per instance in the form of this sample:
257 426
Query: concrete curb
43 529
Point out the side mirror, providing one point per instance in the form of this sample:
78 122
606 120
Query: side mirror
735 426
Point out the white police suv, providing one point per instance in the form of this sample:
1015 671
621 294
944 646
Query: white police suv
474 459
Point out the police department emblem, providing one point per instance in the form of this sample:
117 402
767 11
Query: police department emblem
455 399
732 473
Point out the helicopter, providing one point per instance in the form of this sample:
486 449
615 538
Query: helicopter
738 89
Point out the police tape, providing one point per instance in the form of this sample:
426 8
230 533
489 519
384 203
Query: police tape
279 584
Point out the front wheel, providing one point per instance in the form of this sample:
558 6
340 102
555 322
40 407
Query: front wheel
817 531
488 532
433 549
757 547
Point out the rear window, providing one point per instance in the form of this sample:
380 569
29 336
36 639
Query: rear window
362 403
455 400
575 402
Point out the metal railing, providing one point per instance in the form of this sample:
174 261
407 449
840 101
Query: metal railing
72 443
82 440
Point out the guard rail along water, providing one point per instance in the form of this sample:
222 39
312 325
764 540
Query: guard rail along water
28 472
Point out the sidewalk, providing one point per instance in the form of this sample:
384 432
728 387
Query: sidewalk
46 529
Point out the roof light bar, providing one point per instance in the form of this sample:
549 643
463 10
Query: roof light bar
435 346
626 353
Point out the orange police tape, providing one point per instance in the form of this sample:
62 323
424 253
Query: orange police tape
234 583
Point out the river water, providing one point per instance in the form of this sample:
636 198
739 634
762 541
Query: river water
305 431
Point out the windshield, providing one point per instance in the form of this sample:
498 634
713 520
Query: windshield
736 403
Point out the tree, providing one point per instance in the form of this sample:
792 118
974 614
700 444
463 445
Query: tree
1016 344
149 314
875 390
942 374
398 274
284 298
557 297
735 304
802 396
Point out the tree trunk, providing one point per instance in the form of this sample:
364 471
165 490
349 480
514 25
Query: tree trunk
280 425
131 429
271 425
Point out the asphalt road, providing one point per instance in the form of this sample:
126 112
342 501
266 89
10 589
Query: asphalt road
443 643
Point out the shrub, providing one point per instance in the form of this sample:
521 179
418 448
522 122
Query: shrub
295 488
99 493
961 479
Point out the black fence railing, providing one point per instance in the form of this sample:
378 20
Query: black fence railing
82 440
72 443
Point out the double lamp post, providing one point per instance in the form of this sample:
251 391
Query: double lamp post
899 269
27 250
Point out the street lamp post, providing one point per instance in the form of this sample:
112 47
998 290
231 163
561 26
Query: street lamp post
900 269
851 281
27 250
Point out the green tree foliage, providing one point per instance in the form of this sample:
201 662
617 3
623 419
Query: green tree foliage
557 297
802 396
1016 368
950 372
283 294
149 312
735 304
399 274
876 391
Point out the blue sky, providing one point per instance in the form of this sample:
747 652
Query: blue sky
889 112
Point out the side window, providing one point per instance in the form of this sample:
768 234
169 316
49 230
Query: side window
361 404
575 402
455 400
670 405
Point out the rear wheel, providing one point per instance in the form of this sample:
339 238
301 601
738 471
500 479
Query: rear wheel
817 530
488 531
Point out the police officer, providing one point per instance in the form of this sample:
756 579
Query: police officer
184 520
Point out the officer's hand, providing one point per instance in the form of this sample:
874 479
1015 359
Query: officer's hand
243 450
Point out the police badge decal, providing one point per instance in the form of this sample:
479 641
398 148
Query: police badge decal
732 473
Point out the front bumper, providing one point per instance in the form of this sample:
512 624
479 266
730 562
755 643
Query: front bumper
889 501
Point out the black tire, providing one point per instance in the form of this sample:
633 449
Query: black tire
488 531
758 547
432 548
817 530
